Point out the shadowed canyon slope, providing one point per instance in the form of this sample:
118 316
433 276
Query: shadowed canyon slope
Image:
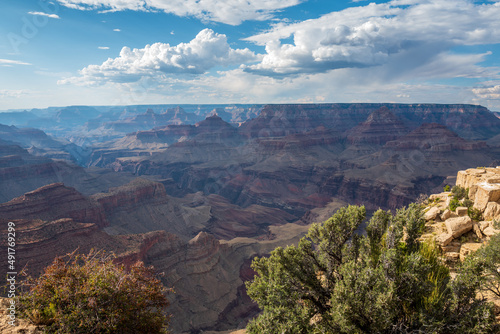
198 191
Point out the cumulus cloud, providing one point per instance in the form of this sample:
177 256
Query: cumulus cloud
207 50
228 11
377 34
489 93
52 16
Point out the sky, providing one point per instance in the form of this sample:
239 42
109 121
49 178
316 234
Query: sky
122 52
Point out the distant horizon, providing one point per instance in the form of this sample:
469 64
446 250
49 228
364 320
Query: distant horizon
231 104
135 52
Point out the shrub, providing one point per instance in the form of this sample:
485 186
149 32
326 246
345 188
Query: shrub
460 192
91 294
387 281
475 214
454 203
446 188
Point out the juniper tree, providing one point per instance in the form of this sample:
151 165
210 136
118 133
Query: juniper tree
386 281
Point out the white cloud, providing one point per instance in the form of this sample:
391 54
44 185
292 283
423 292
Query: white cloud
228 11
52 16
377 34
103 47
11 93
489 93
12 62
207 50
116 30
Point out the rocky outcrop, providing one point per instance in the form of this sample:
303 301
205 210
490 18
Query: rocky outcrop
380 127
54 201
459 235
38 242
137 191
483 185
208 277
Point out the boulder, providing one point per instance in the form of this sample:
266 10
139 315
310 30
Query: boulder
492 211
483 225
468 248
477 230
431 214
445 215
461 211
458 226
444 239
486 192
444 199
490 231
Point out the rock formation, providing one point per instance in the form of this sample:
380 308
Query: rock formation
457 234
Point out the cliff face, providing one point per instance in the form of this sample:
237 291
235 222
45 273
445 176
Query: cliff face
54 201
434 137
137 191
380 127
296 157
469 121
208 276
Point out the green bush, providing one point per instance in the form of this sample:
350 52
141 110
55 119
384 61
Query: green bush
460 192
446 188
475 214
91 294
454 204
387 281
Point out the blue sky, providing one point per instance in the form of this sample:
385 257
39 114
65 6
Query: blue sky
117 52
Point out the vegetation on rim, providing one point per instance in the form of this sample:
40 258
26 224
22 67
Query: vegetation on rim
387 281
91 294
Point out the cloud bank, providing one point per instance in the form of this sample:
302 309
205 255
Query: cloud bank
377 34
231 12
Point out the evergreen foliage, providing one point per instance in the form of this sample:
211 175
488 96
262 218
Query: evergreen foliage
387 281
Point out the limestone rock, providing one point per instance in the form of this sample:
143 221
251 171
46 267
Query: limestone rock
458 226
445 215
431 214
483 225
461 211
492 211
477 230
485 193
490 231
444 239
468 248
444 199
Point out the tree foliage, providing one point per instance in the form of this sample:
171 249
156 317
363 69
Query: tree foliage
387 281
91 294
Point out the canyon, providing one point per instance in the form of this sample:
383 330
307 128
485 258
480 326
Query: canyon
199 191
